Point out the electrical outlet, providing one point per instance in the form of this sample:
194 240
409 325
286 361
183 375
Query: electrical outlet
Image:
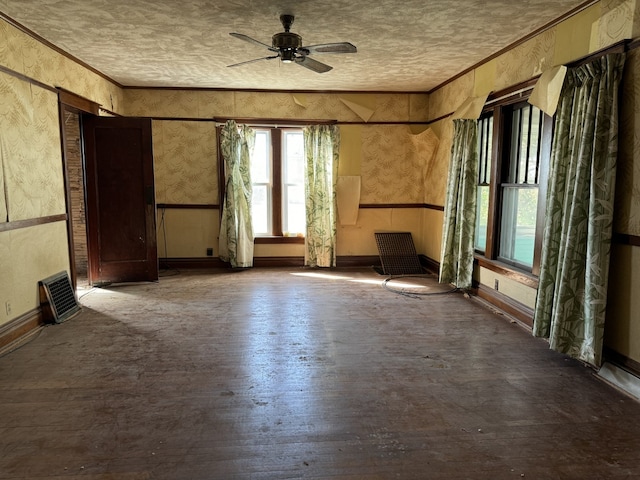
496 284
7 307
209 252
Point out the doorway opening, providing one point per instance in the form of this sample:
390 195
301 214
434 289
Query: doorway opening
77 200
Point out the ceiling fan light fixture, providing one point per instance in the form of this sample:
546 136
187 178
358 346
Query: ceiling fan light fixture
287 56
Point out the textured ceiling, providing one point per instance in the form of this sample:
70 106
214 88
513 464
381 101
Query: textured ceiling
403 45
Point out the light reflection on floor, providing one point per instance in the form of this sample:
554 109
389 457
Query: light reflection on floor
414 282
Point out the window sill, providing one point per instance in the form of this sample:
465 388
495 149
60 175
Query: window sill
508 271
278 240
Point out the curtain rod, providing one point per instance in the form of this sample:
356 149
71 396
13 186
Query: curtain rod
510 94
274 122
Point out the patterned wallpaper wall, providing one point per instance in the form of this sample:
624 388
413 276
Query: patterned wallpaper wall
31 186
23 54
601 25
388 107
30 151
391 165
31 162
391 168
185 163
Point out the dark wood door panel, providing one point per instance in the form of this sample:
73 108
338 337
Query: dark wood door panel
120 204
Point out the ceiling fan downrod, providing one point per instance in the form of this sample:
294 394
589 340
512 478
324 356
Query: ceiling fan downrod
287 42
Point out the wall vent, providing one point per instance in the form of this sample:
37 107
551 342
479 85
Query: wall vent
398 253
57 298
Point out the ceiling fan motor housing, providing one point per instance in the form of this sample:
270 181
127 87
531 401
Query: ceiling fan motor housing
286 40
287 43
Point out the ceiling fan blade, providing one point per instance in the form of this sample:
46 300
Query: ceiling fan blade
311 64
342 47
252 40
254 60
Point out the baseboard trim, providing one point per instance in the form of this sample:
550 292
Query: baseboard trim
429 263
358 261
16 330
518 311
188 263
268 262
620 378
265 262
622 361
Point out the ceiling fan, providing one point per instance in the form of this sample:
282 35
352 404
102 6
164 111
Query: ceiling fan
288 47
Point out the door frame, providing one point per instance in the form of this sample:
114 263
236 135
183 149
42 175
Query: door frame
70 102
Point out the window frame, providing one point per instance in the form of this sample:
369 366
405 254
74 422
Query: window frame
500 106
276 135
276 129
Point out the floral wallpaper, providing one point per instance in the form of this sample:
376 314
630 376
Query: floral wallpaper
596 27
391 159
446 99
388 107
23 54
30 149
436 169
185 162
390 166
178 103
525 61
31 183
620 19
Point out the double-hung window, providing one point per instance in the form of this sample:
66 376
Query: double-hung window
514 140
519 188
277 176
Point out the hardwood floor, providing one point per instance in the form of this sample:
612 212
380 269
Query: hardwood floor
297 373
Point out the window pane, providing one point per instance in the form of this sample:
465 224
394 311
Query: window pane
260 158
518 232
482 218
485 136
294 221
523 158
260 210
534 150
526 132
293 212
294 157
261 182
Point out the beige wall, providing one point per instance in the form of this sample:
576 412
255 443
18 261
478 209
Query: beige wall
31 162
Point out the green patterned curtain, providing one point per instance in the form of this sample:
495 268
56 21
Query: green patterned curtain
321 145
572 292
236 230
456 265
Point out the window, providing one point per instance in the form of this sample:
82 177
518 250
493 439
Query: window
261 173
514 140
277 176
485 135
519 191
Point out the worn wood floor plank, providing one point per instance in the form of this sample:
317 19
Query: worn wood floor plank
296 373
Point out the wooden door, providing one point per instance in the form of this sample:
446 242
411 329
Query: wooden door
121 217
